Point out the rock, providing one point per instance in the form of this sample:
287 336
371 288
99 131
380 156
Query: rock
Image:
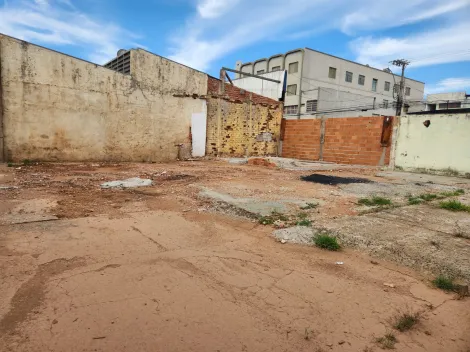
55 321
374 262
283 241
341 342
129 183
389 285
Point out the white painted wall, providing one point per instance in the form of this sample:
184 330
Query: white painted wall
268 89
444 144
198 131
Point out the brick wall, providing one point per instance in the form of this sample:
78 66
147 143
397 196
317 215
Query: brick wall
238 120
302 139
350 140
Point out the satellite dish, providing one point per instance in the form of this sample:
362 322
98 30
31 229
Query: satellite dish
121 52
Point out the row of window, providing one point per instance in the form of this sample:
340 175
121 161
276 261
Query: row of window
292 68
312 106
362 79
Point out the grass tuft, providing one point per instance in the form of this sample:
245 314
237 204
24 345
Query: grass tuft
388 341
309 206
271 219
328 242
444 283
454 205
10 164
406 321
376 200
304 222
414 200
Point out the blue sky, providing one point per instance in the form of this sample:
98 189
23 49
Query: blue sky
207 34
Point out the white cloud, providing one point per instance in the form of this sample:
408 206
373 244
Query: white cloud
373 15
215 8
220 27
449 85
443 45
57 22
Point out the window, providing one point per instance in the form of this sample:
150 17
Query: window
407 91
259 72
387 87
385 104
332 72
374 84
290 109
293 67
361 80
312 105
292 89
276 68
349 76
450 105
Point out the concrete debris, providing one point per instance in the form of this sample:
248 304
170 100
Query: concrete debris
8 187
238 161
297 234
129 183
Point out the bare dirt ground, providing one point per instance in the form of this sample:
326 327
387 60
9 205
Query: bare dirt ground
183 265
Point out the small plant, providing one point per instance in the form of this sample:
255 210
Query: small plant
444 283
271 219
302 216
309 206
406 321
26 162
328 242
376 200
388 341
427 197
10 164
304 222
454 205
455 193
414 200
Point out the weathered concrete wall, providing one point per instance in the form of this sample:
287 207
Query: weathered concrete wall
57 107
241 123
442 147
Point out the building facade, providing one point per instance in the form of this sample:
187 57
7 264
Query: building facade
320 84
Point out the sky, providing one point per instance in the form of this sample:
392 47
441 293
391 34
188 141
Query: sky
208 34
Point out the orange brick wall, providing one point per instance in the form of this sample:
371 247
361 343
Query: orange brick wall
302 139
350 140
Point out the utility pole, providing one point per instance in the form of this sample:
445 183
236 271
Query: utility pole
401 94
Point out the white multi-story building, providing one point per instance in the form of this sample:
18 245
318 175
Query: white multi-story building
319 84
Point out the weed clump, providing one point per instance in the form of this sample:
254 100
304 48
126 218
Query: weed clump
388 341
444 283
327 242
309 206
376 200
271 219
454 205
304 222
406 321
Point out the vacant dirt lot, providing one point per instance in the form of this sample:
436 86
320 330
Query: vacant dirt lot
183 265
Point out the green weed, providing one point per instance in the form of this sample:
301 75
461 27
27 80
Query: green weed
10 164
376 200
309 206
444 283
388 341
406 321
328 242
304 222
454 205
